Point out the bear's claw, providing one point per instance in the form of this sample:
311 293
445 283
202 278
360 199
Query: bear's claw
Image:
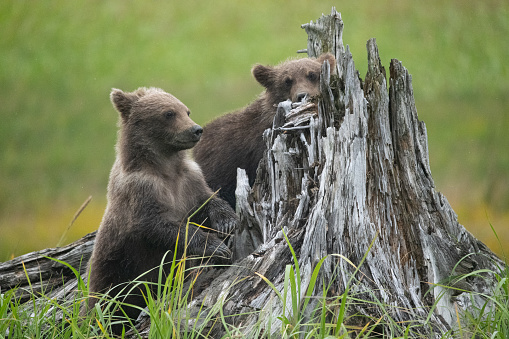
224 221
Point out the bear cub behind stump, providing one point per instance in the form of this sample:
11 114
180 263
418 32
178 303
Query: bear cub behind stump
154 186
235 139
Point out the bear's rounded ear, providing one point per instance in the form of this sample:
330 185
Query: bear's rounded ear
264 75
332 61
123 102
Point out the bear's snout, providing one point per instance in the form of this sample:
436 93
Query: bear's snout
196 131
301 96
187 138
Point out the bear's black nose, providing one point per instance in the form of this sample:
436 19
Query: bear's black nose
301 96
197 130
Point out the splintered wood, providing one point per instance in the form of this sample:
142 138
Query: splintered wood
296 115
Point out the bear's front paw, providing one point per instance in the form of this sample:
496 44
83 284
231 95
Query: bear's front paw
223 255
207 245
218 250
224 221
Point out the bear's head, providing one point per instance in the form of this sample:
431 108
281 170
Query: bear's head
154 121
293 79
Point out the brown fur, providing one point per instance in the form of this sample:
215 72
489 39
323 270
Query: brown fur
235 139
153 188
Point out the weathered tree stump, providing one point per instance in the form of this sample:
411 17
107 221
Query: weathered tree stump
347 175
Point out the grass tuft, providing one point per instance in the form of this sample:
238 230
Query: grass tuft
303 315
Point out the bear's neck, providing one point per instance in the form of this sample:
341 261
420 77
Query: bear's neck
259 120
136 157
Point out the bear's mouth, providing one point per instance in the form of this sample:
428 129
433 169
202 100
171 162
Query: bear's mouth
189 138
185 143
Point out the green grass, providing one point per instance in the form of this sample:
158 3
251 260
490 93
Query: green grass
327 316
60 59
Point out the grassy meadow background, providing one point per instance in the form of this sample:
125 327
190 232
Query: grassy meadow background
60 59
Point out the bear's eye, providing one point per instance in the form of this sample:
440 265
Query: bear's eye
312 76
169 114
288 82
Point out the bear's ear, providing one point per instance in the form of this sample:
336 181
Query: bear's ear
331 59
123 102
265 75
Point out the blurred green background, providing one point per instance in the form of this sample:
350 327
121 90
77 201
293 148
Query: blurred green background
60 59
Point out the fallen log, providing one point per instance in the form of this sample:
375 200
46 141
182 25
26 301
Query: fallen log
38 273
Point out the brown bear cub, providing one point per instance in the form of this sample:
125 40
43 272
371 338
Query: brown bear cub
154 186
235 139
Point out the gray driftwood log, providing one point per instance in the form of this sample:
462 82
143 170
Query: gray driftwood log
346 175
36 272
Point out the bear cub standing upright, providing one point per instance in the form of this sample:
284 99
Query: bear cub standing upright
154 186
235 139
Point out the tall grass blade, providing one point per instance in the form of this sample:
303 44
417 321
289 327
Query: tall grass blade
76 215
81 284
